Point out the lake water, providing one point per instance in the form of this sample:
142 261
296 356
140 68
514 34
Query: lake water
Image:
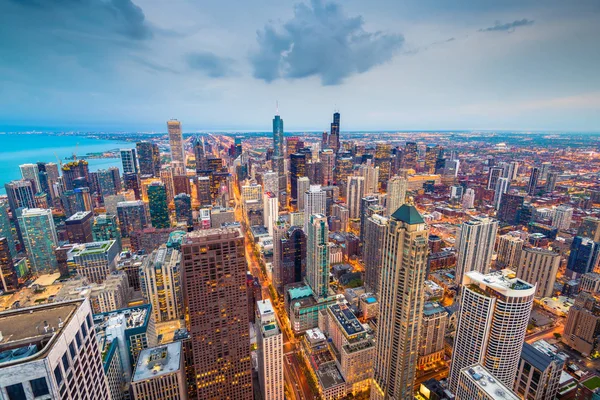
16 149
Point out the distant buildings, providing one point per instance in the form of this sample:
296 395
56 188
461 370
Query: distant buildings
396 194
176 142
129 161
562 217
39 235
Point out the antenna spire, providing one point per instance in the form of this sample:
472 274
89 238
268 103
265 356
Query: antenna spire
276 107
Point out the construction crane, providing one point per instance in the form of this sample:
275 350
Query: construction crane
75 152
58 159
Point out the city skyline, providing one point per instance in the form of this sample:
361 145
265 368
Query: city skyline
416 66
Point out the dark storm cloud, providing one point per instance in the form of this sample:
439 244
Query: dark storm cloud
320 40
507 27
210 64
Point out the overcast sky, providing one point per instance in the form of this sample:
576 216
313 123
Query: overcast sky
222 65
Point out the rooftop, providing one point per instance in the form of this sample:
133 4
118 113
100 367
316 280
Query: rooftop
486 382
408 214
432 308
205 235
33 326
329 376
300 292
158 361
132 317
541 354
504 282
346 319
92 248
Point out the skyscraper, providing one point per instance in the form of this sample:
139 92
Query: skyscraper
148 158
30 172
129 161
132 216
494 314
6 229
403 273
20 194
540 369
562 217
8 275
494 174
200 155
160 281
475 246
396 194
160 373
176 142
278 153
509 251
39 236
375 231
157 203
410 156
371 175
590 228
303 185
315 201
510 206
334 136
270 351
270 211
551 181
317 255
216 320
183 209
355 191
539 266
75 174
79 227
105 227
500 189
327 158
292 258
533 181
584 256
297 170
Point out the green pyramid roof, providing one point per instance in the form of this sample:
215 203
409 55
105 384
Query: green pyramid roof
408 214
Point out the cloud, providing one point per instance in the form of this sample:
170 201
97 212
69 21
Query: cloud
210 64
507 27
320 40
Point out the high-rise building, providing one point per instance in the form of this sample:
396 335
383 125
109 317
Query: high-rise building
396 194
494 313
410 156
75 174
132 216
510 207
270 182
95 260
375 231
40 239
432 154
315 202
533 181
551 181
475 245
278 153
334 136
216 321
562 217
583 256
512 172
583 324
30 172
355 191
477 382
148 158
160 282
200 155
403 273
327 158
183 209
20 194
270 211
509 251
107 181
129 161
343 169
157 204
317 255
303 185
494 174
540 267
297 170
501 188
79 227
176 142
6 229
456 192
132 182
433 333
540 368
270 351
51 351
9 280
370 174
590 228
160 373
369 205
292 259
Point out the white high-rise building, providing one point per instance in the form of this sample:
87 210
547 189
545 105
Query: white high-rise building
371 175
355 191
401 293
30 172
317 255
509 251
51 352
512 172
562 217
251 192
494 314
315 202
160 283
502 185
303 186
270 351
456 192
176 141
494 174
270 210
476 382
396 194
468 200
539 266
475 245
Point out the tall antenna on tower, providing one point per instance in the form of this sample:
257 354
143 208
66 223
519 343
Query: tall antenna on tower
276 107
